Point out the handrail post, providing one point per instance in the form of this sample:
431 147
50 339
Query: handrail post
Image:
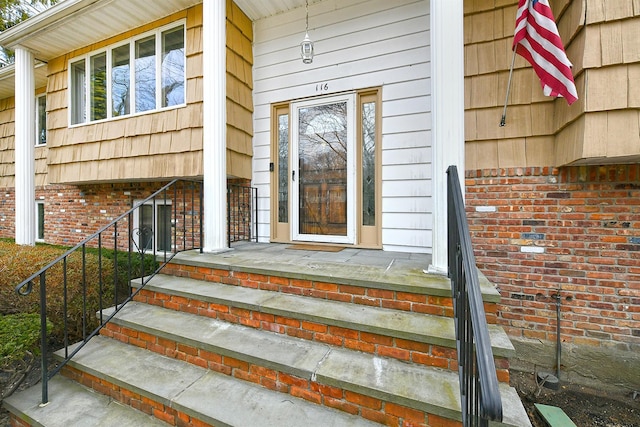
43 339
479 394
201 214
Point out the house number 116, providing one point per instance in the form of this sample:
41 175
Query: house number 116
320 87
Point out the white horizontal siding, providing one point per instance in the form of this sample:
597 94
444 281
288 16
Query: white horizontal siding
358 44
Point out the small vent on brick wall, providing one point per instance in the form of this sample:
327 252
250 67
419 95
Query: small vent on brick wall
522 297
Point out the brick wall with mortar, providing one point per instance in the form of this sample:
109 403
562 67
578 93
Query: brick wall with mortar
74 212
575 229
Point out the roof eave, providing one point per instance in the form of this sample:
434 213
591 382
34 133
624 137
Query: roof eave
53 16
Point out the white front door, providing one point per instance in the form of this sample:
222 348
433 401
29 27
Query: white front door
322 170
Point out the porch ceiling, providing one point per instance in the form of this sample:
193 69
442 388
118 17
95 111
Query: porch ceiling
261 9
8 79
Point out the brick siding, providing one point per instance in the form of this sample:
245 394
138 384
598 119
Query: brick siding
576 229
74 212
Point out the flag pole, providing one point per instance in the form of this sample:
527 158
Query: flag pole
503 121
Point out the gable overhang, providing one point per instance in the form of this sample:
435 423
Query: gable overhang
72 24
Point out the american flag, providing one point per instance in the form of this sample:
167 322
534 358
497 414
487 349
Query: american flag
537 40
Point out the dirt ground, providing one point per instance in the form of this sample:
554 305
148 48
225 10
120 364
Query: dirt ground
585 406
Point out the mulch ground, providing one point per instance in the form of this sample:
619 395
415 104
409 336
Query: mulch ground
585 406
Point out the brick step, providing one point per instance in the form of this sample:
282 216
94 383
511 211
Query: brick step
183 394
381 389
420 338
388 286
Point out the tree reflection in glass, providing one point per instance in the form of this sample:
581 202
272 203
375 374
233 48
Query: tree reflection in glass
368 163
146 74
173 67
98 85
323 169
120 81
283 168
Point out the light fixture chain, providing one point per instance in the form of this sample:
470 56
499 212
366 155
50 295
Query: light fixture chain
307 16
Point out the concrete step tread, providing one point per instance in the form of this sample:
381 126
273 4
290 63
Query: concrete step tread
375 269
214 398
71 404
418 327
428 389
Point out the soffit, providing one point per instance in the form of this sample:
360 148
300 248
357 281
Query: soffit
256 10
72 24
8 80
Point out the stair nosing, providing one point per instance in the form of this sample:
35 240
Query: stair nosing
318 373
292 271
173 401
265 304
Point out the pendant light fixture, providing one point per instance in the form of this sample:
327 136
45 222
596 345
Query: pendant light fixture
306 47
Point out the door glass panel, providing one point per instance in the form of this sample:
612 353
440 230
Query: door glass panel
322 166
368 163
283 168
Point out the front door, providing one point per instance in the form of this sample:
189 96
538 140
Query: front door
322 170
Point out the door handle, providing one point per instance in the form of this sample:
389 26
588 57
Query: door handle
293 175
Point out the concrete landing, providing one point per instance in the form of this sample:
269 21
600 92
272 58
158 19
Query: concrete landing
351 266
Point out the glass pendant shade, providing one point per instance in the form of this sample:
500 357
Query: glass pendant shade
306 49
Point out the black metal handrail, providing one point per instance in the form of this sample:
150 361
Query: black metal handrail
242 213
152 232
479 394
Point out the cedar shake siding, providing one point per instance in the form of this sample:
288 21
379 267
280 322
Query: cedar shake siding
162 144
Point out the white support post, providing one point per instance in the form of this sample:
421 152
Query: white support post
25 139
214 142
447 94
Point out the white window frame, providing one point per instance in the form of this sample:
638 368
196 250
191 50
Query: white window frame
136 225
46 132
38 218
157 32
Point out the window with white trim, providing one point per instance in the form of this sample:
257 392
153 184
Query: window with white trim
40 220
153 226
41 120
145 73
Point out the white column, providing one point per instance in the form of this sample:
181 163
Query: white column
25 139
447 95
215 125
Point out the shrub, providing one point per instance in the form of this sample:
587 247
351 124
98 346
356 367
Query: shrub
17 263
19 334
